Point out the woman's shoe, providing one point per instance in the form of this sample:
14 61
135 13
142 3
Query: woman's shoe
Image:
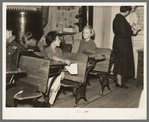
125 80
117 85
122 86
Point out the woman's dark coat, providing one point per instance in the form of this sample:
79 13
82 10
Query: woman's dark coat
122 45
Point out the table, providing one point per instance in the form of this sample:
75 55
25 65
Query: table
93 59
15 72
55 68
12 74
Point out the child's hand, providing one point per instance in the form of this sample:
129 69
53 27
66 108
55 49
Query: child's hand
135 32
30 50
67 62
42 40
14 47
11 38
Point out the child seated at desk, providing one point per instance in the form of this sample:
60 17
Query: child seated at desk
12 47
52 52
87 44
29 42
9 37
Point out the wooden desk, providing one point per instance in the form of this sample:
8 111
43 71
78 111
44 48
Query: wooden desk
93 59
140 72
102 56
11 74
56 68
15 72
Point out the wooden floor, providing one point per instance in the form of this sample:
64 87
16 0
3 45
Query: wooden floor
119 98
115 98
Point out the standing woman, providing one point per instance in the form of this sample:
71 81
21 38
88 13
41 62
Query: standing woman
122 45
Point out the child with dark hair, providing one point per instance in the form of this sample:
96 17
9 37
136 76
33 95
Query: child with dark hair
53 52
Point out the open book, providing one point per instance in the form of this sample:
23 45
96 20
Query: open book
72 68
137 27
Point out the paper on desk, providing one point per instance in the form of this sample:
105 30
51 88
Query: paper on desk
72 69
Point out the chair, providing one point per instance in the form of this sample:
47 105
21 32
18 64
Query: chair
102 69
33 84
77 82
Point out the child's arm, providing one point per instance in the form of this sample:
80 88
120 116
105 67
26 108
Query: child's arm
11 39
61 60
52 56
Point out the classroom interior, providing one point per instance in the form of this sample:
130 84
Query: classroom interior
95 86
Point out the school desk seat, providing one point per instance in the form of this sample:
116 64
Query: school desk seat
31 85
76 82
102 69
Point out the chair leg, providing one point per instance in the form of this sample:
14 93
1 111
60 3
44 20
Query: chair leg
63 90
87 80
15 102
104 81
80 94
88 83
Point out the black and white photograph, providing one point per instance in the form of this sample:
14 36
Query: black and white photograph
74 60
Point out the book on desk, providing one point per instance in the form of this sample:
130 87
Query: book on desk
72 69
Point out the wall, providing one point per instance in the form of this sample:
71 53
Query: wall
54 23
97 24
58 19
106 26
103 25
51 23
138 41
114 11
